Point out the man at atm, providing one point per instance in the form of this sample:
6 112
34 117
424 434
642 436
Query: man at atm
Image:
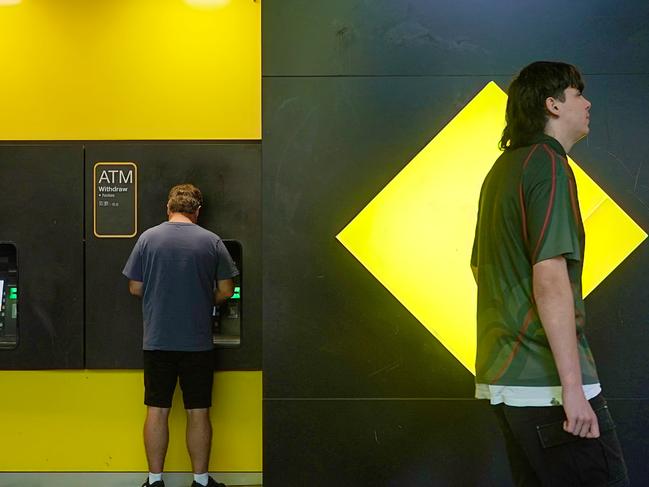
180 270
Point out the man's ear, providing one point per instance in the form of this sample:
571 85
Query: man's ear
552 106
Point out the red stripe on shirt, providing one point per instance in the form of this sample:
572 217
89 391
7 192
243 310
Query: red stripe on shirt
519 339
572 186
522 198
548 212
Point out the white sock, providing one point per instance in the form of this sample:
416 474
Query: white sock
202 478
155 477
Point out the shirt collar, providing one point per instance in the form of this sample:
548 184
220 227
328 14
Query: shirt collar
552 142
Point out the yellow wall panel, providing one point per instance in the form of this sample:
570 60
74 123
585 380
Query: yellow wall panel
92 421
130 69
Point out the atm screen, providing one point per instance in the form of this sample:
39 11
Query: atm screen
227 316
8 297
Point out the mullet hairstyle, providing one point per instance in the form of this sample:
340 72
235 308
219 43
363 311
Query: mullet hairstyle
185 198
526 115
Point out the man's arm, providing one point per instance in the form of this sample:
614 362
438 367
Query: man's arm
136 288
554 301
224 290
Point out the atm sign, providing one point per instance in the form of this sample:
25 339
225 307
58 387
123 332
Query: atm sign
115 199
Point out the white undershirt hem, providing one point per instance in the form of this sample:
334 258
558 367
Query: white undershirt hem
526 396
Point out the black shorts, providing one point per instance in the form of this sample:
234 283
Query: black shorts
163 368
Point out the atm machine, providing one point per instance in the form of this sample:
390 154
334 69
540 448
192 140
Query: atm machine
227 317
8 297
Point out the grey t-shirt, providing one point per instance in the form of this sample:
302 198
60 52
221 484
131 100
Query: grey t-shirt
178 264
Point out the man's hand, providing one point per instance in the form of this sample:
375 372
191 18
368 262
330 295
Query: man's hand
581 419
224 290
136 288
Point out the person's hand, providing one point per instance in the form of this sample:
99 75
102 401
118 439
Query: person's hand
580 417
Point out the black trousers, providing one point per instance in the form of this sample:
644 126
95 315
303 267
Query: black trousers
542 454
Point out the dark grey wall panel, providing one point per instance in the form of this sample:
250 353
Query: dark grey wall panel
414 37
397 443
388 443
41 196
616 152
228 174
330 145
632 422
618 328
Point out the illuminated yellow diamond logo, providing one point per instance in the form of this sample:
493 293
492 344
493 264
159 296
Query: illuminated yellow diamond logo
428 212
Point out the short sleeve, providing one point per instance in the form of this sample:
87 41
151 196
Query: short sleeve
552 212
133 267
474 250
225 267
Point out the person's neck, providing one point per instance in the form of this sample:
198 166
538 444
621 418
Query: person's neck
179 218
566 142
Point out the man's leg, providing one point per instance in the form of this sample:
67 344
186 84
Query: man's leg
523 473
199 438
156 437
160 375
196 373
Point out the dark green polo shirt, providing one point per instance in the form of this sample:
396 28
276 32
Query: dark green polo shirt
528 212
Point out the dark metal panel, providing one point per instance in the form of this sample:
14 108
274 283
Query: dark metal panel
330 145
228 174
632 420
391 443
41 201
617 328
420 37
395 443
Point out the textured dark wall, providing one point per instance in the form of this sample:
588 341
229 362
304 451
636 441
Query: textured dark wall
356 391
41 212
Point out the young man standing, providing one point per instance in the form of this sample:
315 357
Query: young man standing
180 270
533 361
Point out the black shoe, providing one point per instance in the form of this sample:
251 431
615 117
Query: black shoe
159 483
210 483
